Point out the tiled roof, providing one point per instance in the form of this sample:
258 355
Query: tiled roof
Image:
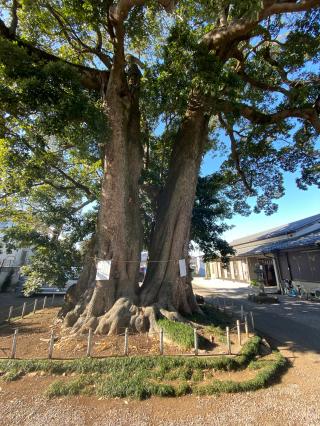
278 231
304 241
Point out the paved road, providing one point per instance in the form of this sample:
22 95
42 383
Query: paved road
11 299
292 323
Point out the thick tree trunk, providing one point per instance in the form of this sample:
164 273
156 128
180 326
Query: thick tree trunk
119 234
170 240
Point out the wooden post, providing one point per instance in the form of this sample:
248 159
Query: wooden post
195 334
161 341
35 305
10 313
14 344
242 315
23 309
89 343
126 342
252 321
52 300
51 342
228 340
246 326
239 332
224 305
44 302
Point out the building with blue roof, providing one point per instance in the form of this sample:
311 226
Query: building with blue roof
289 252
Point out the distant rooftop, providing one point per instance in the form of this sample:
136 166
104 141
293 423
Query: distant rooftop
312 239
289 228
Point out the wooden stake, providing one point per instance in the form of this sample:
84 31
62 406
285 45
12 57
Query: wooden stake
14 344
89 343
35 305
10 313
23 309
161 341
52 300
228 340
195 334
252 321
44 302
242 314
239 332
126 342
246 326
51 343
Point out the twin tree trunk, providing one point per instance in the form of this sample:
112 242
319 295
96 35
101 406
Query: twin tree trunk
170 240
110 306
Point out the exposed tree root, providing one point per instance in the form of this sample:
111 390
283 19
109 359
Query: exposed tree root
98 308
123 314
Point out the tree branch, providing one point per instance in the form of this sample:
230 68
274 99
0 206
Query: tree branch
241 29
260 84
76 184
256 116
235 154
8 194
56 186
278 7
91 78
14 17
72 180
120 11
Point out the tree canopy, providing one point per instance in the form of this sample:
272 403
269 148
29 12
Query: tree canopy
113 104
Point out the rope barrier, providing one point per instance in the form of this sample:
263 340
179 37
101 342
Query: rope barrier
143 261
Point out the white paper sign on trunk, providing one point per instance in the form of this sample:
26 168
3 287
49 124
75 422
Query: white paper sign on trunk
103 270
182 267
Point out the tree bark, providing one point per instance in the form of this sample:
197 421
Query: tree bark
119 232
170 240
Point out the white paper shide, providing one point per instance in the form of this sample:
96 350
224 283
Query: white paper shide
103 270
182 267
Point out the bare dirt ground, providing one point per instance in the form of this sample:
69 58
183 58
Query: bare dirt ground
34 332
293 401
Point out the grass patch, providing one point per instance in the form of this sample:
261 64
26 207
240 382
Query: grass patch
178 332
263 378
142 377
213 321
159 365
78 386
211 317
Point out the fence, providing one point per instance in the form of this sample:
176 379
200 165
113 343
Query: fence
15 313
124 344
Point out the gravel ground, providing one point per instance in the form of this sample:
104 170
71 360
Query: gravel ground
294 401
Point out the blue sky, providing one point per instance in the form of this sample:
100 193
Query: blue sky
294 205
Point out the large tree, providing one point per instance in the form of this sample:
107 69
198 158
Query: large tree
190 70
